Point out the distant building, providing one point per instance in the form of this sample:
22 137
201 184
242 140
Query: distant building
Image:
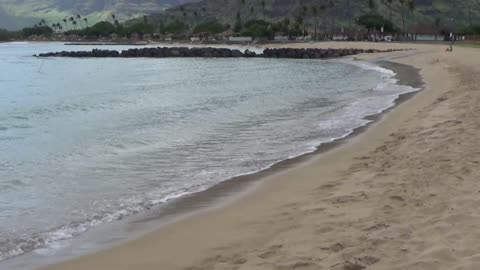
135 36
280 37
427 37
425 32
147 36
240 39
340 37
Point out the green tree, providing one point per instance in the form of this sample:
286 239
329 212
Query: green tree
375 22
403 4
212 27
238 23
79 19
37 30
411 8
257 28
175 27
304 16
331 7
66 23
71 19
349 16
372 5
263 8
315 16
389 4
101 29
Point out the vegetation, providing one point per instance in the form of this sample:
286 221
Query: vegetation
16 14
6 35
317 19
42 30
37 30
471 30
375 22
175 27
257 28
211 27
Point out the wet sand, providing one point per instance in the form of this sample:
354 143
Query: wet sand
401 195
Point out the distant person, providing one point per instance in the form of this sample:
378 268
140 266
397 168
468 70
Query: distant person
452 42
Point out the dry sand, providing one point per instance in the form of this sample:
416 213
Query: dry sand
402 195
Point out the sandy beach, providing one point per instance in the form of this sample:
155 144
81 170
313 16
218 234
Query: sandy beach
401 195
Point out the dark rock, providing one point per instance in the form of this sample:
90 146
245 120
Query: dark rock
237 53
249 53
158 52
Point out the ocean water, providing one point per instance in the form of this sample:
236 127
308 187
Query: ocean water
86 142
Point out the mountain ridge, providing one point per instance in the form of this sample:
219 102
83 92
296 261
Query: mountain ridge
426 13
15 14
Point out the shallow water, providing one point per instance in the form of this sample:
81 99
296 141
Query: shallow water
84 142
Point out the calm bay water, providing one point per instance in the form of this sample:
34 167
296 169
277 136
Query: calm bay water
85 142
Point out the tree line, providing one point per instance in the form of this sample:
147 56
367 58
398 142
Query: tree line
320 20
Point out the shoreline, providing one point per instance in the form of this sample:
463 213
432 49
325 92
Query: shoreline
283 222
232 189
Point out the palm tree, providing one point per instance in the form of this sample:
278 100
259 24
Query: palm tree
438 21
66 23
349 16
402 7
411 8
304 16
389 4
372 5
285 26
315 15
58 26
79 18
240 8
263 9
238 22
331 6
469 13
86 22
74 23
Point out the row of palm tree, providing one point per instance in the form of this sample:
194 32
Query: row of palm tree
330 9
73 22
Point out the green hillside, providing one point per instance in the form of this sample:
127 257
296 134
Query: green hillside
427 14
15 14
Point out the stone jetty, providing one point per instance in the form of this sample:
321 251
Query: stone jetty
209 52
